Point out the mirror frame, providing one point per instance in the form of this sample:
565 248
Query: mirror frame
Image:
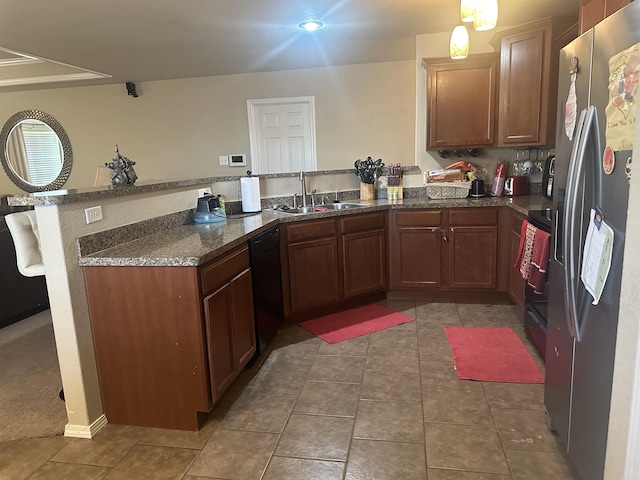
52 123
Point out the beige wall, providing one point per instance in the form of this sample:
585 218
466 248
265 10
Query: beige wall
177 128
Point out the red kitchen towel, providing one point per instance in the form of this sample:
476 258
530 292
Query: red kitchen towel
525 254
539 261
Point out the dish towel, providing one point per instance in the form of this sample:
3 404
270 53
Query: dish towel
525 251
539 261
533 256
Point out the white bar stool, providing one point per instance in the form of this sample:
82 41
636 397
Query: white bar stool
24 230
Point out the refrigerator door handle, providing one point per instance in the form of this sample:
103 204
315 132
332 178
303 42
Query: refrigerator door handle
561 223
567 221
590 143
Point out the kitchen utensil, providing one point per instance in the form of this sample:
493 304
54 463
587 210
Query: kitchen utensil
368 169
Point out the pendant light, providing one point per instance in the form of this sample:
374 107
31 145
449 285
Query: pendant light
459 45
467 10
486 15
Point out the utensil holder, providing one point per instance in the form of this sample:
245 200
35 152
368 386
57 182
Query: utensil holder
367 191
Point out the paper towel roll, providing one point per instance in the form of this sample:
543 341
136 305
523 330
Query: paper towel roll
250 191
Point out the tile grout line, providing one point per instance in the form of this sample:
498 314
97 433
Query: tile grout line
355 416
422 393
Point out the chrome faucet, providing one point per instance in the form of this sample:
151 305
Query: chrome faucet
304 188
313 197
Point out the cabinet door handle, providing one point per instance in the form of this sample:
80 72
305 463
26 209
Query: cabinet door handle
444 235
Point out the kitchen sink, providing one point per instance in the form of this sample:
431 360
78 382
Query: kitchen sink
341 206
300 210
321 208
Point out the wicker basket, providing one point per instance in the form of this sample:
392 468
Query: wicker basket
440 191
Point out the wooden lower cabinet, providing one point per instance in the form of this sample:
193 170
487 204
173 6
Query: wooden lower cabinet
417 249
230 331
472 248
313 273
332 260
445 249
161 356
516 283
473 257
364 253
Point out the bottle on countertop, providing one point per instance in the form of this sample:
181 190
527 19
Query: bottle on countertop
498 180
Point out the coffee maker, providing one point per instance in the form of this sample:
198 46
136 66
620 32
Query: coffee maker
547 176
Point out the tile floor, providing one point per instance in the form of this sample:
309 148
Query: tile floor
384 406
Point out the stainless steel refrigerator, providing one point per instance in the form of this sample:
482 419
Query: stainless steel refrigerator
598 75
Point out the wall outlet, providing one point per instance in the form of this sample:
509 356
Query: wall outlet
204 191
93 214
223 159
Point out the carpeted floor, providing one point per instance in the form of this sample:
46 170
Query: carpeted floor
30 381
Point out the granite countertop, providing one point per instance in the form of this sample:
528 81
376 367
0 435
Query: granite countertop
57 197
191 244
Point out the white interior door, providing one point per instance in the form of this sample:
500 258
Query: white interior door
282 134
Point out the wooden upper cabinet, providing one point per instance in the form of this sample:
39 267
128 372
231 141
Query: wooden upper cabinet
528 80
593 12
461 99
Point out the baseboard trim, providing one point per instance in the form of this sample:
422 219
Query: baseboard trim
86 431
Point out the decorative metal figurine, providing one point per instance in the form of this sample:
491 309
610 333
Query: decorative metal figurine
123 172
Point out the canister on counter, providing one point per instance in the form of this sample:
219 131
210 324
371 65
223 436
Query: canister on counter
498 180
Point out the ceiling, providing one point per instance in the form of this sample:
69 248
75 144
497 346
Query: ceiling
145 40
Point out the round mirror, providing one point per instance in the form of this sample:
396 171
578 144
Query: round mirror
35 151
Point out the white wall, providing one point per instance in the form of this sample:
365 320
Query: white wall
624 417
177 128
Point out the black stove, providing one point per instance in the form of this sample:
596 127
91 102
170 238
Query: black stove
536 304
541 219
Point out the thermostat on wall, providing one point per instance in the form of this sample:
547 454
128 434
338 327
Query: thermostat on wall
237 160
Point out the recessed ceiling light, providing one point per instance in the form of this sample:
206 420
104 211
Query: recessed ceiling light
311 25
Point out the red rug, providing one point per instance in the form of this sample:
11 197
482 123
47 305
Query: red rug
492 355
354 323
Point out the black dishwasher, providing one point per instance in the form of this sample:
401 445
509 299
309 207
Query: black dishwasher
264 251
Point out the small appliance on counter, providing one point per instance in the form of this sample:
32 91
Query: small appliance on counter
547 176
210 209
516 185
477 188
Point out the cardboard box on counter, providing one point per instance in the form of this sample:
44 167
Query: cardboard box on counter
444 175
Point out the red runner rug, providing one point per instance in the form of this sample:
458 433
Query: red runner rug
354 323
492 355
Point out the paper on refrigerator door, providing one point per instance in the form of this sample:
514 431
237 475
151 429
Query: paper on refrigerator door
596 260
624 74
